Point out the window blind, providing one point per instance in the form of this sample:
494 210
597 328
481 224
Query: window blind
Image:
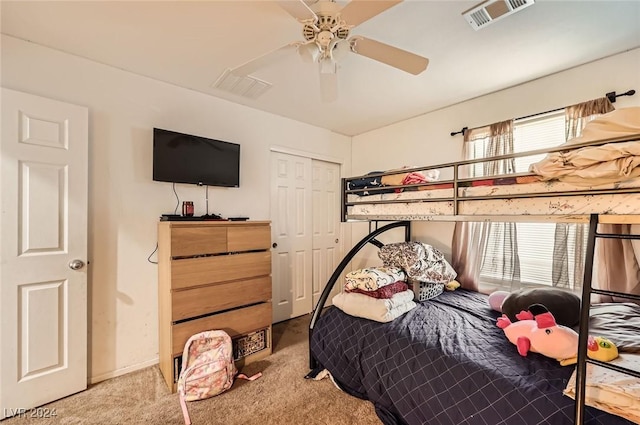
535 241
540 132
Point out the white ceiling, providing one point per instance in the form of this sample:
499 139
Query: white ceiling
191 43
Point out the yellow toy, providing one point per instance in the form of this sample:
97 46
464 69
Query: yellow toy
598 348
452 286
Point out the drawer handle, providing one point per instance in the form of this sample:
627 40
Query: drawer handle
274 245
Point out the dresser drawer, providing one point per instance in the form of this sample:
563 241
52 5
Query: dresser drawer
189 272
221 296
248 238
189 241
235 322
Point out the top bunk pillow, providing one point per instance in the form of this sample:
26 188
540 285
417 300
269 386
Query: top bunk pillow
564 305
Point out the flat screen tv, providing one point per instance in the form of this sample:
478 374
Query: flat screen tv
184 158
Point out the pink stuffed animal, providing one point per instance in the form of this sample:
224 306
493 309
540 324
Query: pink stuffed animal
536 330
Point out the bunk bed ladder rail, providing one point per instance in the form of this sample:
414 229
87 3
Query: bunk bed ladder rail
587 290
370 238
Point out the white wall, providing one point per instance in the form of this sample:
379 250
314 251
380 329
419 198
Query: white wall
426 140
124 202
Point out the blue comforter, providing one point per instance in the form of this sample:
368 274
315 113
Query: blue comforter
445 362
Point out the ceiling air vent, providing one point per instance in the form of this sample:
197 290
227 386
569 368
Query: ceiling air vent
241 85
490 11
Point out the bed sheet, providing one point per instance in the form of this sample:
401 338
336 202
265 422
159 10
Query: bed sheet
491 190
580 204
445 362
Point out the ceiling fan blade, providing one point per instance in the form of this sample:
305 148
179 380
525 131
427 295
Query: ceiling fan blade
329 87
397 58
264 60
299 10
358 11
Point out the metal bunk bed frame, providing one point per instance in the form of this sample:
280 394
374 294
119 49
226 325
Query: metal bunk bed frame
587 290
457 182
592 219
370 238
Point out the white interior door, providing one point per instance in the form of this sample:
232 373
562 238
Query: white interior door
43 228
291 214
306 232
327 238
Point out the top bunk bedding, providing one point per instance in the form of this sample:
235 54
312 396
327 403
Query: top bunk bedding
596 173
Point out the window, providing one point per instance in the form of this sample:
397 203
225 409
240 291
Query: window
535 242
541 132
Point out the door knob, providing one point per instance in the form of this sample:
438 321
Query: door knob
76 264
275 245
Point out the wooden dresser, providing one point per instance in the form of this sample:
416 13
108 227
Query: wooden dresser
213 275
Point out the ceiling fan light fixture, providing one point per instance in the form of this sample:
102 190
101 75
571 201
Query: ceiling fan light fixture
309 52
327 66
340 49
326 30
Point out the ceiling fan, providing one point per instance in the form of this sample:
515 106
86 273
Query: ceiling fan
326 32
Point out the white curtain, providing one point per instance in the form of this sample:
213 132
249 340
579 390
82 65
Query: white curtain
573 235
488 248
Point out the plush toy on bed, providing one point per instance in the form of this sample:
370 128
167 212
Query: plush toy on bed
537 331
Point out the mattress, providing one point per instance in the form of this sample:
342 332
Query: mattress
514 199
612 391
445 362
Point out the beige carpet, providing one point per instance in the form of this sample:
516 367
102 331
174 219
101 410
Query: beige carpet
281 396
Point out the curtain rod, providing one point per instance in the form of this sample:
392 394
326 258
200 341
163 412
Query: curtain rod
611 96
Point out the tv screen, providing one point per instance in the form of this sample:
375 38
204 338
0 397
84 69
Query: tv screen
184 158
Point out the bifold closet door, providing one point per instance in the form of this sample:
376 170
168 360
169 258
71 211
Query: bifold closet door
327 235
306 231
291 227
